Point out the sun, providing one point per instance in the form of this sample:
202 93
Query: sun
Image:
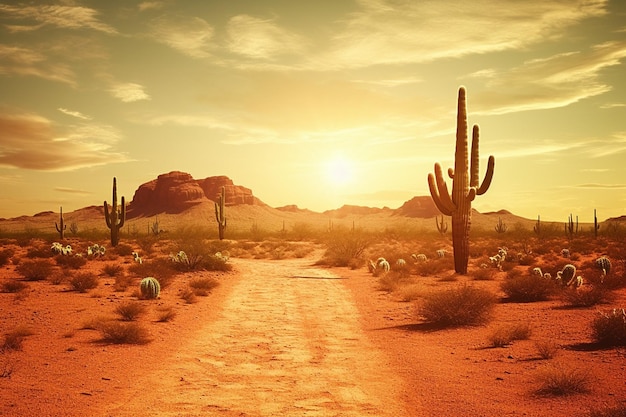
339 171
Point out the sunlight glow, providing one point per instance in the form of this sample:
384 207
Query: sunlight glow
339 171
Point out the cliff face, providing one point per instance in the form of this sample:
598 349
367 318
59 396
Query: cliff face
177 191
422 207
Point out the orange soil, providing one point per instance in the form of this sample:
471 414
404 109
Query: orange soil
282 337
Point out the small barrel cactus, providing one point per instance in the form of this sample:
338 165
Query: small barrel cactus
150 288
604 264
567 274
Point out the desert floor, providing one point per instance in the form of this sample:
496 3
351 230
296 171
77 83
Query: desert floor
288 338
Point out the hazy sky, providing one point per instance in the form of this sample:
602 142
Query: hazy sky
316 103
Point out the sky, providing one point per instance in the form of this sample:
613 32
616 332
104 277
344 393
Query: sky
315 103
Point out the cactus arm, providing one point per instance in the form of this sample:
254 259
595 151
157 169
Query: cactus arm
107 218
475 165
451 173
439 192
488 176
122 215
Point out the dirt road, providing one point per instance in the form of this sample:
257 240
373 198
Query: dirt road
287 342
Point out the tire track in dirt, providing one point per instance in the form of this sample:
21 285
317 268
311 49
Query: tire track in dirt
288 342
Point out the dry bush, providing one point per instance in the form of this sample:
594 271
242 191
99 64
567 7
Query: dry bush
5 255
13 339
123 333
392 280
547 349
112 270
433 267
70 262
122 249
203 286
586 296
189 296
483 274
130 311
122 282
409 292
504 335
160 268
165 314
39 252
464 305
609 328
560 379
84 281
344 246
523 288
13 286
35 270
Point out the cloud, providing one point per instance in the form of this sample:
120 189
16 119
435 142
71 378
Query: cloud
601 186
65 17
129 92
551 82
15 60
150 5
260 39
29 141
391 32
188 35
72 191
76 114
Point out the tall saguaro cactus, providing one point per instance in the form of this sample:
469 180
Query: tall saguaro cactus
116 217
61 226
219 214
465 186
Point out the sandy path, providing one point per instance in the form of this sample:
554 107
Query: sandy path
287 343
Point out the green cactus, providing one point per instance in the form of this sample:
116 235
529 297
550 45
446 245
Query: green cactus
219 214
442 227
116 217
150 288
465 186
61 226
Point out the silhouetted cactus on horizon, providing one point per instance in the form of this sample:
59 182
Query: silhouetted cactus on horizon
465 186
61 226
219 214
115 219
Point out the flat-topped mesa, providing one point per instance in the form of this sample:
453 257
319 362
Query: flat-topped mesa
177 191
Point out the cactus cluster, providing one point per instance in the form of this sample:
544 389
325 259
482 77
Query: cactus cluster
571 228
150 288
465 186
501 226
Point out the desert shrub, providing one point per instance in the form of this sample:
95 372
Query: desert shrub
203 286
130 311
216 262
123 333
464 305
504 335
5 256
619 411
344 246
409 292
483 274
13 286
523 288
112 270
84 281
392 280
35 270
123 249
13 339
559 380
39 252
433 267
189 296
547 349
609 329
527 260
70 262
160 268
165 314
585 296
122 282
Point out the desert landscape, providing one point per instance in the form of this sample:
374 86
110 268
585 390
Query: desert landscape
294 314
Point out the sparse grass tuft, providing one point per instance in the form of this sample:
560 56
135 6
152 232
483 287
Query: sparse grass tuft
504 335
203 286
13 286
13 340
586 296
342 247
112 270
165 314
560 380
189 296
123 333
461 306
122 282
130 311
70 262
547 349
484 274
